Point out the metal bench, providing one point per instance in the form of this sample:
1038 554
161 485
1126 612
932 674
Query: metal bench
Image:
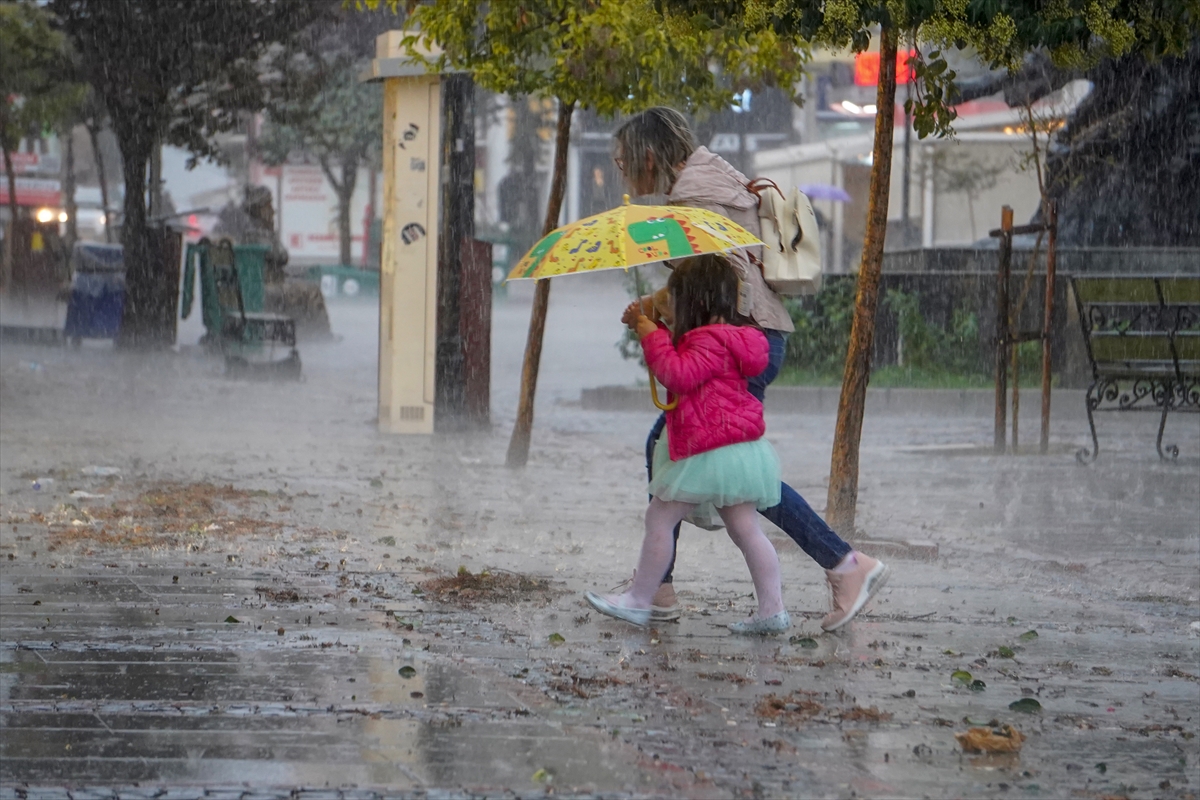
1143 341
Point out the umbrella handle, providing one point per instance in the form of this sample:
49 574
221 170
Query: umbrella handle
637 277
654 395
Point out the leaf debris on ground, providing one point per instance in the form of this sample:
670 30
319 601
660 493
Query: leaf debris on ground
1005 739
466 588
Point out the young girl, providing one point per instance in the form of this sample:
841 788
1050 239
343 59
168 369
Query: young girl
713 451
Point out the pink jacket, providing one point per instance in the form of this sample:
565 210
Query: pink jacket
707 374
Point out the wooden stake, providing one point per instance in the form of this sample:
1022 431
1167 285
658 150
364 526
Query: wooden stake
1048 323
518 446
1002 272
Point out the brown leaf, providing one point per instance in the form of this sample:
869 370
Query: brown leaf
1005 739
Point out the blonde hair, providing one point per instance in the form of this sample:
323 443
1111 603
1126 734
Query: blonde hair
664 133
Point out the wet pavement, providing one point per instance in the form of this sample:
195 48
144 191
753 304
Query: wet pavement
282 637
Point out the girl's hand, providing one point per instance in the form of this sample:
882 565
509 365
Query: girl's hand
645 326
632 311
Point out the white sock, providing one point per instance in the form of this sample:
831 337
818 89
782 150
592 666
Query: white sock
847 564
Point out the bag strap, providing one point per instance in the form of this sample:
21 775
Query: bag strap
757 186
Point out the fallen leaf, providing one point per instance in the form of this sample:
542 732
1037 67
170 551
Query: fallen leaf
1028 636
556 639
390 541
807 642
1006 652
543 776
1102 768
1006 739
961 676
992 723
1026 705
977 685
407 672
232 619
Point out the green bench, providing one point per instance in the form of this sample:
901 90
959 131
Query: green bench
1143 342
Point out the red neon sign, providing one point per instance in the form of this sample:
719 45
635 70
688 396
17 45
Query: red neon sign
866 68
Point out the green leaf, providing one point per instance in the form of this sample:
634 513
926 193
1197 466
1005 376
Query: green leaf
556 639
977 685
1026 705
981 723
1102 768
390 541
1028 636
543 776
407 672
807 642
232 619
1006 652
961 676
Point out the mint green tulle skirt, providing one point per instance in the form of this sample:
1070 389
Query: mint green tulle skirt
747 472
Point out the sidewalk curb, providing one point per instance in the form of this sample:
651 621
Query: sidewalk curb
824 400
898 549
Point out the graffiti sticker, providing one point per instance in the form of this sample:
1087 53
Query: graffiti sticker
411 232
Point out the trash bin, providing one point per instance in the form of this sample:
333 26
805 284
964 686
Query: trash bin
250 261
97 296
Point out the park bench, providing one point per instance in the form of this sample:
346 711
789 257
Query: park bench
1143 342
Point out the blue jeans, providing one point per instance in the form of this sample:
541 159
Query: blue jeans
793 515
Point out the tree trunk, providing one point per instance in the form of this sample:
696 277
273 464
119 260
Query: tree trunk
344 189
6 258
70 205
154 183
843 469
98 157
142 324
457 228
518 446
345 197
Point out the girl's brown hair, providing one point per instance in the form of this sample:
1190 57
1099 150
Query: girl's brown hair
703 288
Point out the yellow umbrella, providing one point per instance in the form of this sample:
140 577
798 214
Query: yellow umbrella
627 236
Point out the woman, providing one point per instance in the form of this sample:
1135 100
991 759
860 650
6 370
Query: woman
657 154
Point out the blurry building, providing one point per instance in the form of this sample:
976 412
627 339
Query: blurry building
955 186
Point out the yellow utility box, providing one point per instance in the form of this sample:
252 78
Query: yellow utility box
408 268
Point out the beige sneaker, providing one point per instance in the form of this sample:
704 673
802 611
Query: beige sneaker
665 606
853 589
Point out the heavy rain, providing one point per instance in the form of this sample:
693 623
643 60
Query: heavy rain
332 334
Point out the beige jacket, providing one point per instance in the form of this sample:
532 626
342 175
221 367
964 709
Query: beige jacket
709 181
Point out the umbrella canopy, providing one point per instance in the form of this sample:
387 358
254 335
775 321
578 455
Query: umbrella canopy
825 191
629 235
